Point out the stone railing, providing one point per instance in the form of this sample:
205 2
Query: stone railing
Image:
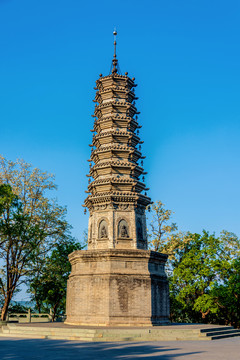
30 317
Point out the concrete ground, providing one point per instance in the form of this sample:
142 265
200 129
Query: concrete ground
29 349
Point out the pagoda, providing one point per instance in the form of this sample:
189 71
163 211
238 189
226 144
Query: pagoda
117 281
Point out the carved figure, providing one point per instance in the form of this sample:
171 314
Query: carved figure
123 229
103 232
124 232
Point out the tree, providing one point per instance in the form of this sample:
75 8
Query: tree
30 223
198 271
49 286
203 270
227 293
160 229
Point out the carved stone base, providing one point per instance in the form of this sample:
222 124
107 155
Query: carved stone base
117 288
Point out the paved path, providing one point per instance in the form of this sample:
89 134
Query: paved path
21 349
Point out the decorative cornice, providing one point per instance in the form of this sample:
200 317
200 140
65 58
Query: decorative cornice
130 109
118 163
115 116
115 180
115 147
115 88
137 186
113 131
116 132
117 196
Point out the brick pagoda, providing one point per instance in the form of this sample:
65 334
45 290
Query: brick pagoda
117 281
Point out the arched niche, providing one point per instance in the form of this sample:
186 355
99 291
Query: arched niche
123 229
103 230
139 230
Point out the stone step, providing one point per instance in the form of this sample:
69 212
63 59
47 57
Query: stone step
99 339
56 337
218 337
45 334
215 329
120 334
51 334
118 339
25 336
62 337
48 330
154 337
223 332
174 338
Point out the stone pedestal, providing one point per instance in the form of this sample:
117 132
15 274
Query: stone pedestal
117 287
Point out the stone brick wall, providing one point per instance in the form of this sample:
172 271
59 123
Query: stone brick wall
117 287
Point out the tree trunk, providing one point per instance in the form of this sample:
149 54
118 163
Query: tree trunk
55 307
5 307
54 313
38 306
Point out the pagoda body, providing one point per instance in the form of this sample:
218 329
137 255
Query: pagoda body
116 203
117 281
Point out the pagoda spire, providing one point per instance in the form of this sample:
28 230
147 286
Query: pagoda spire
115 66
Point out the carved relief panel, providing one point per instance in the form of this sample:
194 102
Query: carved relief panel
103 230
123 229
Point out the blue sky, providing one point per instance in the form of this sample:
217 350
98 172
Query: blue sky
185 57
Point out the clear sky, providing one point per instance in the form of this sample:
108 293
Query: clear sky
186 60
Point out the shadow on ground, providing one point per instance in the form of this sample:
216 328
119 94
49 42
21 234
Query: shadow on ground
19 349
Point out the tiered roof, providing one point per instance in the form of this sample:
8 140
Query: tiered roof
116 168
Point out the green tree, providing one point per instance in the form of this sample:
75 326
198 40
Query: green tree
48 287
15 242
227 293
30 223
203 270
160 230
198 269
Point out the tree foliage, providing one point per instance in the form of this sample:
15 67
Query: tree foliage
203 270
30 223
48 286
160 228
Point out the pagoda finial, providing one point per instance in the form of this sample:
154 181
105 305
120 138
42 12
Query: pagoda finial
115 42
114 61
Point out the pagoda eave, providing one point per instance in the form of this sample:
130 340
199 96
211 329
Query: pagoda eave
110 198
116 184
115 119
